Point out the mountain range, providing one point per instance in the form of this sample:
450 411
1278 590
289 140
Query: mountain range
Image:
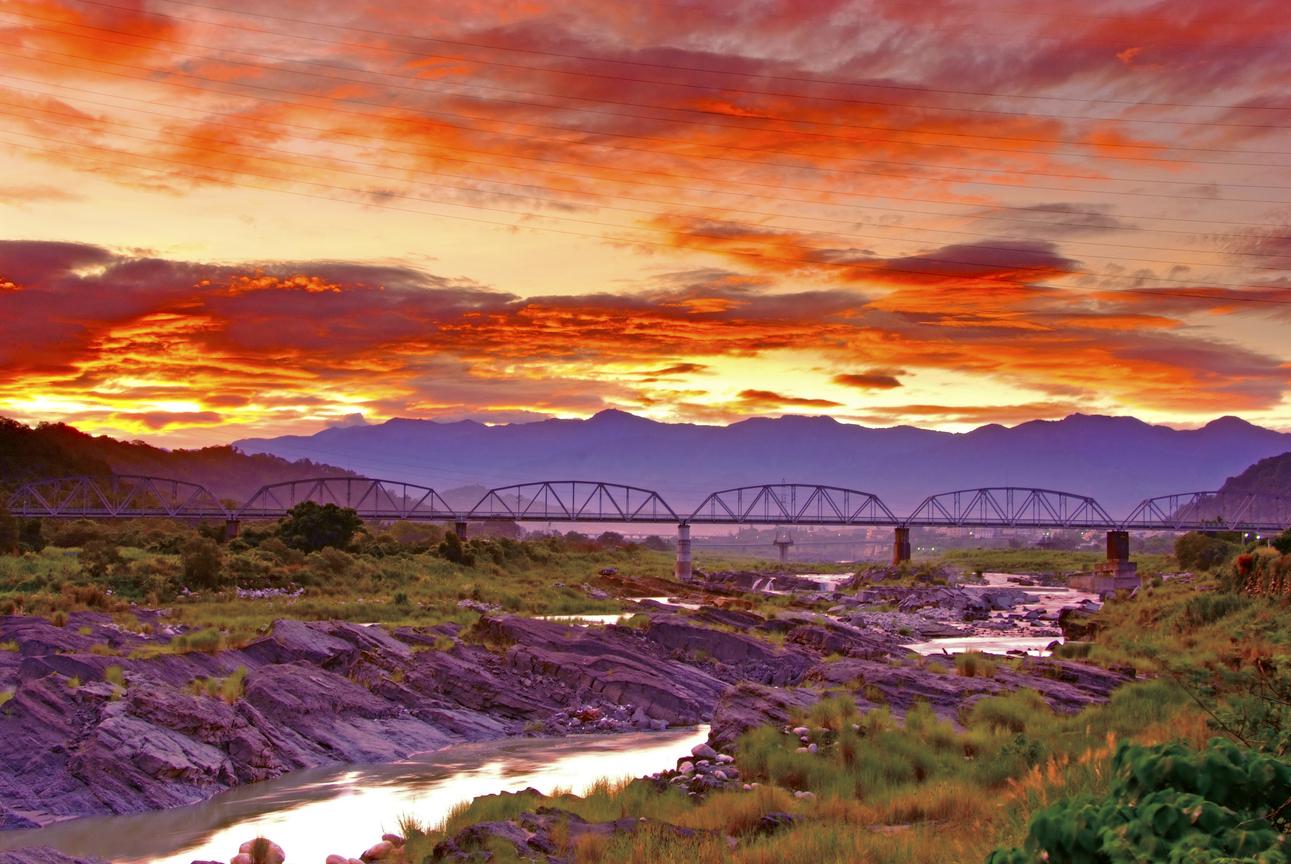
1117 460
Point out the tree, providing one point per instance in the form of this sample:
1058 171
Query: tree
8 530
1198 551
30 536
203 561
453 550
1282 542
311 526
99 558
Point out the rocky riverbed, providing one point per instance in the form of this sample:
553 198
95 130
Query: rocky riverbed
314 694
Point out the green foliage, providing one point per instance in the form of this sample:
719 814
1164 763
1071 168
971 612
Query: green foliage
201 558
1208 608
9 530
453 550
1197 550
1169 803
208 641
1282 542
310 526
98 558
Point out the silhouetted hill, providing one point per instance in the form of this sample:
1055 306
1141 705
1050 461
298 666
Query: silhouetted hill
59 450
1271 476
1118 460
28 454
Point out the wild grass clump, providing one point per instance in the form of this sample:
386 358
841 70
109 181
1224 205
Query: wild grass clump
974 664
230 689
207 641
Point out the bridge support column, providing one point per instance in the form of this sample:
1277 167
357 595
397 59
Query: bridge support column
783 546
230 529
900 546
1116 572
1118 545
460 529
683 569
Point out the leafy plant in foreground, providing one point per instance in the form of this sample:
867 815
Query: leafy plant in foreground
1170 803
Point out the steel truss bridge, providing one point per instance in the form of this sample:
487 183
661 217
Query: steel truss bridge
121 496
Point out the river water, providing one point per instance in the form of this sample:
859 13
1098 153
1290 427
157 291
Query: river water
344 810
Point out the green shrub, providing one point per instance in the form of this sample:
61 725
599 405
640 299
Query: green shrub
202 560
1169 803
1199 551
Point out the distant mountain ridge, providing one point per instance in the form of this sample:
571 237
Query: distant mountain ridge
58 450
1118 460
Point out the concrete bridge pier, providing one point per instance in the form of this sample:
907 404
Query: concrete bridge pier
460 529
230 529
683 570
783 544
900 546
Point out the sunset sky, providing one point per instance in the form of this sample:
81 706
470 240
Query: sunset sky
226 219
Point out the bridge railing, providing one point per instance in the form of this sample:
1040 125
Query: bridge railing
113 496
1212 511
571 501
372 499
793 504
1008 506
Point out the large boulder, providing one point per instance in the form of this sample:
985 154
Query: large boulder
748 706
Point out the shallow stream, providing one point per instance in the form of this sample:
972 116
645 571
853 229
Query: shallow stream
345 809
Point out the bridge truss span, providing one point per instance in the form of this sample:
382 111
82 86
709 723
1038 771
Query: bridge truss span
371 499
1010 507
571 501
114 496
1212 511
793 504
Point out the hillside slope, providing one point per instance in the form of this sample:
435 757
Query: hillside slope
1272 476
59 450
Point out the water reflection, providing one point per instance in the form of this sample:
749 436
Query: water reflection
343 810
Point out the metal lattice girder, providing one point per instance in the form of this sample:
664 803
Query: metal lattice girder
113 496
1201 511
572 501
371 499
793 504
1008 506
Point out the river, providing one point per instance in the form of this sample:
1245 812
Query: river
345 809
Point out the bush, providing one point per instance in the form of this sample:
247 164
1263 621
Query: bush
202 560
98 558
452 550
1168 803
1199 551
310 527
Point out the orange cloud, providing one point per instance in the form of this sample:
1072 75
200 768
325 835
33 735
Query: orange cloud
867 380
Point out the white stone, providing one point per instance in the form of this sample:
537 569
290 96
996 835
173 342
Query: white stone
703 751
686 768
378 851
811 748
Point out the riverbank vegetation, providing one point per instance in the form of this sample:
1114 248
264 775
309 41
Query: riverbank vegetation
1189 762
